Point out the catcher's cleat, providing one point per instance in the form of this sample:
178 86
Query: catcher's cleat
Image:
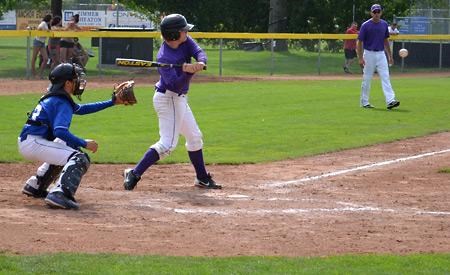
207 182
130 179
393 104
59 200
30 190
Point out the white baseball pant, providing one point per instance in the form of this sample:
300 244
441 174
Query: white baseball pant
175 118
39 149
376 61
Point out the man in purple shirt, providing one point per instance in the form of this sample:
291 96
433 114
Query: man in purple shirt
373 37
171 105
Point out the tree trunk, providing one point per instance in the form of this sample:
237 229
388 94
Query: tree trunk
278 22
56 6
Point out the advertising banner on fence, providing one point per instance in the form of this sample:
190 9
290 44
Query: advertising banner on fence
8 21
127 19
94 19
89 19
415 25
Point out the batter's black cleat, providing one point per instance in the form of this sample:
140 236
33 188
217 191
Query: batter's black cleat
393 104
130 179
207 183
59 200
31 191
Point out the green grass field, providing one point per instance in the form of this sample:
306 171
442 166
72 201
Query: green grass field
248 122
242 122
235 62
122 264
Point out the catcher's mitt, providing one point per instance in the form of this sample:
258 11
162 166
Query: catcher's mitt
124 94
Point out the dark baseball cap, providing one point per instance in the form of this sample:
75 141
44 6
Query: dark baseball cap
375 7
175 22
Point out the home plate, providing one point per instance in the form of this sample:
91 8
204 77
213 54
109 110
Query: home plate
223 195
238 196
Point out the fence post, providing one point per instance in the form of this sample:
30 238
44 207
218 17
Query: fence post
272 46
28 71
220 56
440 54
318 58
403 60
100 46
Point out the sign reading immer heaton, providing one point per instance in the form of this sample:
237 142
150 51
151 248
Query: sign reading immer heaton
89 19
99 19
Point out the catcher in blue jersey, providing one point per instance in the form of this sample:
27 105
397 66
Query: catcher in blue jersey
171 103
46 137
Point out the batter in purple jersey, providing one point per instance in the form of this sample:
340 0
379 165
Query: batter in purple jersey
373 37
171 104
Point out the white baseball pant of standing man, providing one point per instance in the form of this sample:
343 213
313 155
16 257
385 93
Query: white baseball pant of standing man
376 60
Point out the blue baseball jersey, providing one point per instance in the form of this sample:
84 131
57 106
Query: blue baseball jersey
373 35
54 114
174 79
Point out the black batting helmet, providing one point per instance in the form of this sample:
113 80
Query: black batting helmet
61 73
66 71
172 24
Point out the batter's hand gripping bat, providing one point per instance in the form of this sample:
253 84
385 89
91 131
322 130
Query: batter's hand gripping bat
129 62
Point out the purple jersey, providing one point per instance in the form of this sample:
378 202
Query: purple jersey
373 34
174 79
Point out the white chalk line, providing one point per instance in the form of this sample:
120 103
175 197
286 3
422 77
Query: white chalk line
345 171
294 211
347 208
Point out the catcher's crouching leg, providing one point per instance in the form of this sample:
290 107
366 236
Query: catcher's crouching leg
36 186
62 195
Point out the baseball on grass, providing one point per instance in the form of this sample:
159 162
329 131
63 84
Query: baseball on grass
403 53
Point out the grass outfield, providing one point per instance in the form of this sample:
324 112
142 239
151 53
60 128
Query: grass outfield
251 122
122 264
235 62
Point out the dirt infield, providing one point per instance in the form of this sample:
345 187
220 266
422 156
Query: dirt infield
387 198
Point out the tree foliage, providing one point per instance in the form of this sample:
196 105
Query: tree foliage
303 16
6 5
212 15
313 16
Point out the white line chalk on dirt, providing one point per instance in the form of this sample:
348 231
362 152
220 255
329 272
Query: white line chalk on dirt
345 171
349 208
297 211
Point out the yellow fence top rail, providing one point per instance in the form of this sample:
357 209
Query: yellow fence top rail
213 35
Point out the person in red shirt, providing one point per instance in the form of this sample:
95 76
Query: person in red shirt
350 47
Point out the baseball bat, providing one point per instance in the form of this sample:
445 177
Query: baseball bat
130 62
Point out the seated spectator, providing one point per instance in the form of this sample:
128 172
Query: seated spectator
67 43
80 55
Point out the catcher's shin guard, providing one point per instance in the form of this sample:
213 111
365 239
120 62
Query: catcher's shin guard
72 173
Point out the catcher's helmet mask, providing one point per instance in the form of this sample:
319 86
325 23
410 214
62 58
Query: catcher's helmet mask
72 72
172 24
